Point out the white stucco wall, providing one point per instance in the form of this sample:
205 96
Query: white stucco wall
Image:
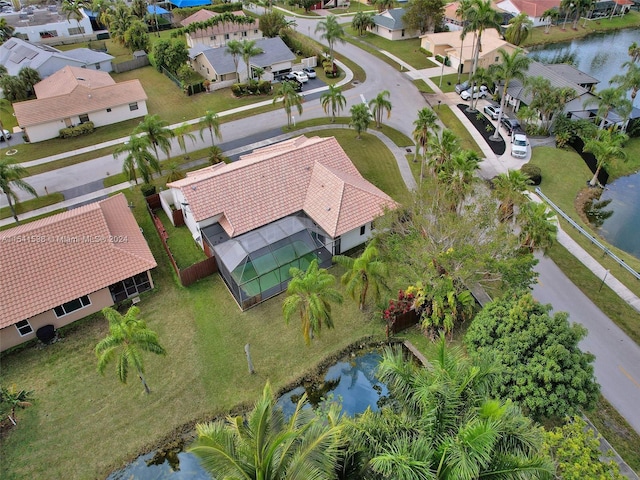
219 40
61 28
352 238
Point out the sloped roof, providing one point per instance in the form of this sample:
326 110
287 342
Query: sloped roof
220 29
537 69
534 8
391 19
572 74
313 175
16 54
190 3
60 258
88 56
76 91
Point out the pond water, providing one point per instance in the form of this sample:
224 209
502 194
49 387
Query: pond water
622 229
351 381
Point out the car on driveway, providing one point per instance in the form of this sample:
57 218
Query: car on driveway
6 134
300 76
310 72
481 92
493 111
510 124
297 86
519 144
461 87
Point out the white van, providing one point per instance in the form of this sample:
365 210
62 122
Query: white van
519 145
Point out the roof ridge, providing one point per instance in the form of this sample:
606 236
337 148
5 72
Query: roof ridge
52 220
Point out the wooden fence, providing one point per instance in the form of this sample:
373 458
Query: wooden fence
133 64
402 322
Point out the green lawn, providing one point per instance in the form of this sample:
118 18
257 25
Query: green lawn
449 81
630 165
452 123
185 251
423 86
32 204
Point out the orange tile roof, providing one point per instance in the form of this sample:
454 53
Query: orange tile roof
66 96
226 27
52 261
313 175
535 8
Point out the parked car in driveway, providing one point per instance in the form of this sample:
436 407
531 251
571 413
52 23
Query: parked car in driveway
297 86
6 134
519 144
493 111
481 92
461 87
510 124
311 73
300 76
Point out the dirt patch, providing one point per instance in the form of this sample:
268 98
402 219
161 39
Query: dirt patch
585 195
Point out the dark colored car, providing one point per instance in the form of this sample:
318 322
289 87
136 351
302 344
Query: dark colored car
510 124
461 87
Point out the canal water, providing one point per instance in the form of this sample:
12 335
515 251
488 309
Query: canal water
351 381
602 56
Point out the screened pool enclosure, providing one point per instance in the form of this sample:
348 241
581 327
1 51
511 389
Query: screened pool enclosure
255 266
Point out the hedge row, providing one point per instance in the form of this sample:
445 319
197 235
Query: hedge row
251 88
82 129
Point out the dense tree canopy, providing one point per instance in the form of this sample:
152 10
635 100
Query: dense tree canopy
271 23
170 54
423 15
542 367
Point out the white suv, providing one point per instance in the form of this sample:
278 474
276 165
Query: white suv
481 93
301 77
519 145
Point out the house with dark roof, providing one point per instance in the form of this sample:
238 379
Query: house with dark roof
77 95
389 24
279 207
217 66
62 268
16 54
218 35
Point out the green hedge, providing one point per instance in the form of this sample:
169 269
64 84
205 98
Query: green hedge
426 52
262 87
218 8
82 129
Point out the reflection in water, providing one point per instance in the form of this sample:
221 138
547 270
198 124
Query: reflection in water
623 228
595 211
353 382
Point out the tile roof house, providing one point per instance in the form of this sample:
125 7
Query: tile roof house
311 180
15 54
533 8
62 268
216 65
76 95
218 35
389 25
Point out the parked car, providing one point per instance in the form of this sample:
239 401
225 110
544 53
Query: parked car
6 134
311 73
461 87
519 145
481 92
297 86
300 76
510 124
493 111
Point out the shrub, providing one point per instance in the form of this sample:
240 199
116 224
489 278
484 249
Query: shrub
251 88
533 172
264 87
76 131
147 189
426 52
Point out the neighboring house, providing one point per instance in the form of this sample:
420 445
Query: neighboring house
533 8
47 25
189 3
15 54
217 66
573 75
62 268
160 12
280 206
76 95
219 35
389 25
451 18
447 44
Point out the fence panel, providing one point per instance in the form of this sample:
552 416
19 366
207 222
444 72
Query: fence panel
131 64
197 271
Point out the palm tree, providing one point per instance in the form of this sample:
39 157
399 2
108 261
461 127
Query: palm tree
6 30
74 9
480 77
333 100
119 19
265 445
102 9
128 338
360 118
362 22
606 146
331 31
286 92
630 80
211 122
216 155
138 156
537 231
581 7
519 28
234 48
29 77
606 100
509 188
15 398
461 12
442 149
249 50
425 125
11 174
379 105
512 66
449 305
634 51
310 295
182 133
365 274
459 176
174 172
550 16
567 6
158 133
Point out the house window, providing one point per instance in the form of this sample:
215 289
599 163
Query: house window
133 106
497 59
76 31
244 34
108 110
98 66
48 34
255 31
24 328
84 118
363 229
226 36
130 287
21 36
72 306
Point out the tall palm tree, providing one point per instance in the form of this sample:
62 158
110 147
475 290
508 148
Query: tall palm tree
6 30
128 338
331 31
11 175
480 77
182 133
630 80
567 6
102 9
138 156
74 9
265 445
287 94
551 15
158 133
360 118
379 105
581 7
210 122
310 295
442 149
425 125
519 29
15 398
29 76
119 19
608 99
365 275
216 155
234 48
249 50
362 22
459 176
509 188
333 100
461 12
606 146
634 51
512 66
537 231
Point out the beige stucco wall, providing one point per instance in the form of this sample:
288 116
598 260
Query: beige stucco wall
9 336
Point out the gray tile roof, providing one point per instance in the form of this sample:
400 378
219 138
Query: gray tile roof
391 19
88 56
536 69
572 74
